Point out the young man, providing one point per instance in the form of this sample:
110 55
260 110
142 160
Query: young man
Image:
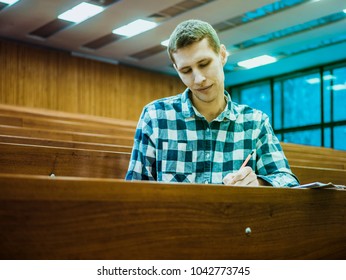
201 136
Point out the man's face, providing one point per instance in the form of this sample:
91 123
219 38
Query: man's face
201 70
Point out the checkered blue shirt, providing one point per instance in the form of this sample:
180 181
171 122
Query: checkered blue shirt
175 143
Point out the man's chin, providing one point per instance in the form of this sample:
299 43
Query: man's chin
206 98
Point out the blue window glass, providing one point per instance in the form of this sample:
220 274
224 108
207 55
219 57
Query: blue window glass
306 137
327 138
279 136
340 137
258 97
302 102
339 94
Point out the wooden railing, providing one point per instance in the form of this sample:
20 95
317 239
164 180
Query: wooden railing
83 218
57 161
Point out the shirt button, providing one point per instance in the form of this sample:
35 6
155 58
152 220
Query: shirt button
207 155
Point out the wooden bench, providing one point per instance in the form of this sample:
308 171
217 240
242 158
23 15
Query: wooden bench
65 135
57 125
316 156
46 160
64 144
315 174
322 151
316 163
63 125
76 218
20 111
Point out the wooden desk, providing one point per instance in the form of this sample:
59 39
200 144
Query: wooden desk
47 160
80 218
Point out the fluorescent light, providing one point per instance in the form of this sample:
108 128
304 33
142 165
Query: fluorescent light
81 12
317 80
257 61
328 77
337 87
312 81
165 43
9 2
134 28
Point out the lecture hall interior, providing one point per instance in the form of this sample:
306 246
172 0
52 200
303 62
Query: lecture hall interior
74 79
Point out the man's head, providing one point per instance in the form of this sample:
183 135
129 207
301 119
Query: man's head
199 58
189 32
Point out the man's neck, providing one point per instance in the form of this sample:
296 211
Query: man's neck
212 109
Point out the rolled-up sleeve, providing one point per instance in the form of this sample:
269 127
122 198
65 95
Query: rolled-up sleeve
272 165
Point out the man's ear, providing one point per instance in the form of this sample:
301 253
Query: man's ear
223 53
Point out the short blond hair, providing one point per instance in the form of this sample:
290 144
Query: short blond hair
191 31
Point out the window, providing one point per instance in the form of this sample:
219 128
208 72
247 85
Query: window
302 101
306 137
257 96
307 107
338 89
339 137
327 82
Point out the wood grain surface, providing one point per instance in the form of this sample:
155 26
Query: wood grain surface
76 218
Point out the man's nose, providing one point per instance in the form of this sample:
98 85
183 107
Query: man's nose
199 77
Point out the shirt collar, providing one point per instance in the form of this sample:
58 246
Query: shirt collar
189 111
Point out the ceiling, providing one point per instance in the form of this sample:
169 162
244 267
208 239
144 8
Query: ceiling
308 34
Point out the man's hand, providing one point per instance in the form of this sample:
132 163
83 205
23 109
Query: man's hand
245 176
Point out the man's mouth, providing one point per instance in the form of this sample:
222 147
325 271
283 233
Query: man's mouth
204 88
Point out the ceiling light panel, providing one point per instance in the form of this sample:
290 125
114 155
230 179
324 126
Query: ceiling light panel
9 2
134 28
81 12
257 61
337 87
6 3
317 80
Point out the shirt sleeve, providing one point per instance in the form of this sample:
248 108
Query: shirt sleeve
272 165
142 165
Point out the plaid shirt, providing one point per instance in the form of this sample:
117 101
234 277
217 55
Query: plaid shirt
175 143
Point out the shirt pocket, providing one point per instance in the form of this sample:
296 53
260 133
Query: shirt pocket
176 161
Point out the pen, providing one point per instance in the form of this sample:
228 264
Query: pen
247 159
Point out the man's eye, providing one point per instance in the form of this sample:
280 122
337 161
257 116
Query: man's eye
186 71
204 64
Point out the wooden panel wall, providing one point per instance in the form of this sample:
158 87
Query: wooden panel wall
35 77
